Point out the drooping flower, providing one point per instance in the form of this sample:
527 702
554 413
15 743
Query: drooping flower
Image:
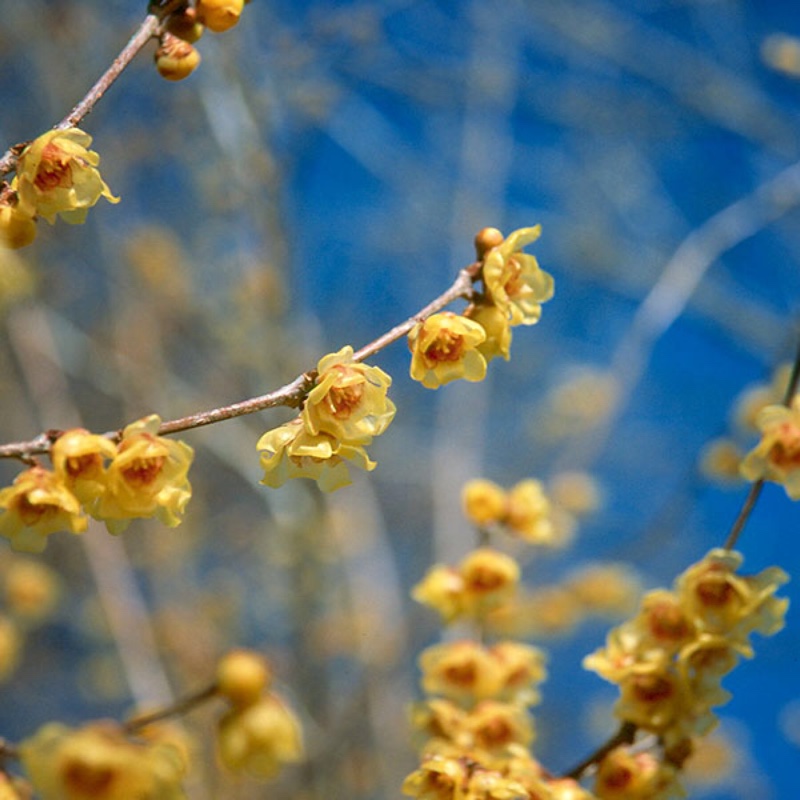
444 347
37 505
489 578
57 174
528 513
147 477
289 451
623 775
484 502
260 738
776 457
98 762
79 459
514 281
349 400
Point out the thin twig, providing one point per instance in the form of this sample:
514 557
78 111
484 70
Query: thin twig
292 394
755 490
180 707
149 28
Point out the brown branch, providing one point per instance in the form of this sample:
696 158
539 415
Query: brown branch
176 709
150 27
292 394
624 735
755 490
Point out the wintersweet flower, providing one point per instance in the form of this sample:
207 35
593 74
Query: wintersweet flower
444 347
484 502
147 477
260 738
463 671
442 589
57 174
514 281
493 725
776 457
623 775
98 762
528 513
439 777
289 451
489 577
37 505
497 328
79 459
349 400
720 601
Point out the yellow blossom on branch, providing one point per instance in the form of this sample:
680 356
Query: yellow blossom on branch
291 452
496 326
98 762
38 504
514 281
147 477
57 174
528 513
79 459
444 347
776 457
349 400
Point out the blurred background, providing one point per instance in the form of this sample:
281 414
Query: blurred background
319 179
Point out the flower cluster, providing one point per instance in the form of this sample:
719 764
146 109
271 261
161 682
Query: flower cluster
448 346
177 57
56 175
524 511
259 733
145 475
668 660
100 762
344 411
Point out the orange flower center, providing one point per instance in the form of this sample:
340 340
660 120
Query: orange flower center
484 579
447 347
514 283
31 513
55 170
652 688
86 780
715 590
617 777
667 621
461 674
143 471
83 466
495 733
343 400
785 453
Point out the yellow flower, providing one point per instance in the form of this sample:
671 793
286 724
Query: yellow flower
623 775
17 229
242 677
147 477
442 589
444 348
291 452
777 456
438 778
57 174
98 762
438 718
493 726
37 505
484 502
497 328
720 601
489 578
79 460
260 738
349 400
219 15
528 513
514 281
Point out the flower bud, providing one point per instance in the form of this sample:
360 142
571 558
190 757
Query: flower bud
185 25
242 677
486 239
176 59
219 15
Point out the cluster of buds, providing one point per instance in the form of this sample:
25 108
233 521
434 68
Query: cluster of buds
345 410
668 661
100 761
144 475
176 57
259 733
447 346
56 174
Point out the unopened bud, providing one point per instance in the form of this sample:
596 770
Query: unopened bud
175 58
